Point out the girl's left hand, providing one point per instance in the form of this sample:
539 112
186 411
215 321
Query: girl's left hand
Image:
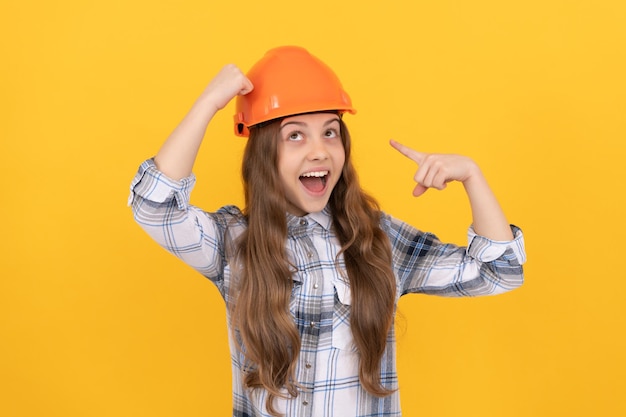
437 170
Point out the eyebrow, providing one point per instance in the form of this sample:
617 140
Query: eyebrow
295 122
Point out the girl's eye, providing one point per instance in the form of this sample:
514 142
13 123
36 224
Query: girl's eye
295 136
331 133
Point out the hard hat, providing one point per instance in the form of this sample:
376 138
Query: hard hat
288 80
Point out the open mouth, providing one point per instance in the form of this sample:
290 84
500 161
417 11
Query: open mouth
314 181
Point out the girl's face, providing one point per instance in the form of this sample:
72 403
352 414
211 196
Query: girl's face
310 160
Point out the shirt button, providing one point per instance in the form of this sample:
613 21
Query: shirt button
305 402
308 365
303 222
312 324
315 286
309 254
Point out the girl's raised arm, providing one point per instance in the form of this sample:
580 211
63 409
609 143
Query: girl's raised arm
436 170
178 154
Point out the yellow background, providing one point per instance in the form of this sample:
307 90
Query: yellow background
97 320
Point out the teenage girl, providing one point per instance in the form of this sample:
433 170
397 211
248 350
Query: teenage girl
310 269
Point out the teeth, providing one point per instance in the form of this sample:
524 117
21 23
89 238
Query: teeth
315 174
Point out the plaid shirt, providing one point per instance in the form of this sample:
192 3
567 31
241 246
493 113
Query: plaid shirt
327 368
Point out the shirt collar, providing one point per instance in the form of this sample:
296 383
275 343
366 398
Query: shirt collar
323 218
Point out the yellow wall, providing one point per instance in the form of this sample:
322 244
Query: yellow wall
96 320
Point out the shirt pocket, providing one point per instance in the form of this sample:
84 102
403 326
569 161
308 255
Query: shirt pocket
342 333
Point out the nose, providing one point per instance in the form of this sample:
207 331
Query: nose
317 150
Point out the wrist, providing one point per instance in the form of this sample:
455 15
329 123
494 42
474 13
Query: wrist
474 174
206 106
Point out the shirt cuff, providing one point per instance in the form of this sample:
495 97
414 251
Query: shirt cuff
487 250
151 184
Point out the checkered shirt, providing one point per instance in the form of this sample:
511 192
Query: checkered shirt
327 367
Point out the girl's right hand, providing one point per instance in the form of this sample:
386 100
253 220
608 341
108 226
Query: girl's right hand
178 154
227 84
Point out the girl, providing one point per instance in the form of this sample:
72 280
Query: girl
311 270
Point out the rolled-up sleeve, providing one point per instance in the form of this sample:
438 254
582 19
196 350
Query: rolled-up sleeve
423 264
151 184
161 207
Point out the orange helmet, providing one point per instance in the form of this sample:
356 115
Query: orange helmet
289 80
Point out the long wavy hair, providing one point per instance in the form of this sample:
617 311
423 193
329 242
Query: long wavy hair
262 323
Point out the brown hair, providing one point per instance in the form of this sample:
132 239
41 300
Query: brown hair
261 319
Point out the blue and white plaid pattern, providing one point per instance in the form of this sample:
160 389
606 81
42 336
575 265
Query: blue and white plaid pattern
327 371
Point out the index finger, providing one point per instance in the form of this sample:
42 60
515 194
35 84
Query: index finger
408 152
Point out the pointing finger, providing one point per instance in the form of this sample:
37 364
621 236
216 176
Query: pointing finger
419 190
408 152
